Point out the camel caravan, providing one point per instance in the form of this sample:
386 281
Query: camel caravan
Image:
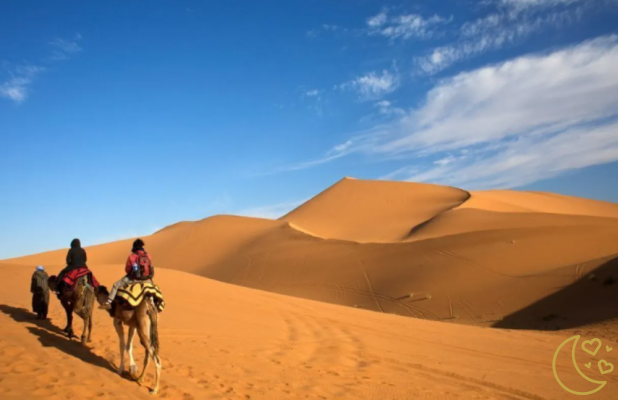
134 301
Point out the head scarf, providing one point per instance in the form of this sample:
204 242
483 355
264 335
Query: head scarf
40 268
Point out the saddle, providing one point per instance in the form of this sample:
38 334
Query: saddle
70 278
135 292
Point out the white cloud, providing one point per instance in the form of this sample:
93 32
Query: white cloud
326 28
315 96
62 49
273 211
493 32
512 123
16 87
528 160
377 20
385 107
527 4
536 94
404 26
312 93
373 85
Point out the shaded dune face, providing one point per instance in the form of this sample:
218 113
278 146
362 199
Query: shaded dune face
418 250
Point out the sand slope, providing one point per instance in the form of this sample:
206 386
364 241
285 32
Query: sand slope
226 342
417 250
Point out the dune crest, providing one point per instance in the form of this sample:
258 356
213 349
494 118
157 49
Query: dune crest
373 211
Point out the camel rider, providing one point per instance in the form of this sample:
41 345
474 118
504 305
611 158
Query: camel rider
76 258
138 268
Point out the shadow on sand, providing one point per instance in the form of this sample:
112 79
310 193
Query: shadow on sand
51 336
589 300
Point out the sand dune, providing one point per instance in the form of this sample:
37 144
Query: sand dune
432 252
221 341
446 257
373 211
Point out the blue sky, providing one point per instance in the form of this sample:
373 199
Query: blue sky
119 118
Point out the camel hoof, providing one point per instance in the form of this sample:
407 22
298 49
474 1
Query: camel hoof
154 391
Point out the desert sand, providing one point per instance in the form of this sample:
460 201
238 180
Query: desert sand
372 289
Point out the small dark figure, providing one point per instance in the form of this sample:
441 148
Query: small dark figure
76 258
40 293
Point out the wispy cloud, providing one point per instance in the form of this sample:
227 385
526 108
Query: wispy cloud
16 85
513 22
386 107
62 49
312 93
314 96
273 211
326 28
519 5
373 85
404 26
509 124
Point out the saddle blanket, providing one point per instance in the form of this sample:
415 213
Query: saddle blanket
134 293
71 277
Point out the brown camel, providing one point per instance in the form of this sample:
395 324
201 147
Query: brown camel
79 301
143 319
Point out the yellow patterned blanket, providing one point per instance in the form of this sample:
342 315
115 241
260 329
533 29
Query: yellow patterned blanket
136 292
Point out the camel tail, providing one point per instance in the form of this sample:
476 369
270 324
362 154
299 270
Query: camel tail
154 331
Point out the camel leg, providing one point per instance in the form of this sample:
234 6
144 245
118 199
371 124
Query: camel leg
85 330
90 326
157 361
132 365
120 331
154 350
68 308
144 339
90 315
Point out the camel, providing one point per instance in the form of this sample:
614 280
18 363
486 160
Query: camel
79 301
143 319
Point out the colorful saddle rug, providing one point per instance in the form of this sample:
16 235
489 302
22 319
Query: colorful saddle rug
71 277
134 293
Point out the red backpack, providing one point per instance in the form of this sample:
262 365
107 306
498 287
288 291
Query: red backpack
144 266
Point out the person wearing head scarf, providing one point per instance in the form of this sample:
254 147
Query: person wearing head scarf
137 268
76 258
40 292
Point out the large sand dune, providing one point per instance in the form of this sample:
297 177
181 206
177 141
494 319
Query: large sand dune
445 256
419 250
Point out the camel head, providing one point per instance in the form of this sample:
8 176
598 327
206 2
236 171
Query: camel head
101 294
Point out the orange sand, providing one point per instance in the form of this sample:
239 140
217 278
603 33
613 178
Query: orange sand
447 257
